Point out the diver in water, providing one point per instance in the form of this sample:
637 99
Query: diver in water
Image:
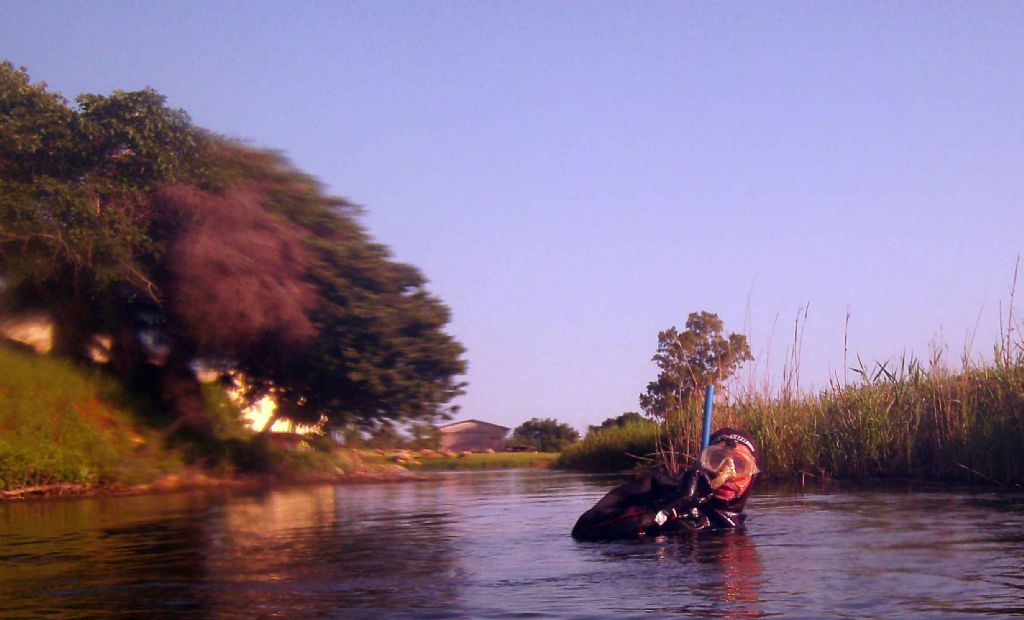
709 497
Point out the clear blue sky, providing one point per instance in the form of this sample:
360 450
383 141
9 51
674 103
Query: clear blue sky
573 177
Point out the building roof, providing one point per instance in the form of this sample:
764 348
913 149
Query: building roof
455 426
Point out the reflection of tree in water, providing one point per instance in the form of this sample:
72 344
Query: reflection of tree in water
88 558
323 549
310 551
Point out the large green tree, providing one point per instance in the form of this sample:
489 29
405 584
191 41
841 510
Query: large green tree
119 216
77 227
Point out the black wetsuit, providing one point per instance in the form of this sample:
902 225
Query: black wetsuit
630 511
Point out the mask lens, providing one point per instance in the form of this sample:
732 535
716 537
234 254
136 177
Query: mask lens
743 466
714 457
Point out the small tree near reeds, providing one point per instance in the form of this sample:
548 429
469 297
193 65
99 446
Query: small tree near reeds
689 361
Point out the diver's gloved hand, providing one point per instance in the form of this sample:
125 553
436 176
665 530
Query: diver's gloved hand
693 490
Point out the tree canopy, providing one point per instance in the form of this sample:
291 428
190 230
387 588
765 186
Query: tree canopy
690 360
629 417
545 435
119 216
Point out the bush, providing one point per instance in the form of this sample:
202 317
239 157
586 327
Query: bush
615 448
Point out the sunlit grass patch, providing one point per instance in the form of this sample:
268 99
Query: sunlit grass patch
62 424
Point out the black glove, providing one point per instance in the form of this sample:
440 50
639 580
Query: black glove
693 490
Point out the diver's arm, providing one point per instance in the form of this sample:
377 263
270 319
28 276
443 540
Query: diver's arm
629 522
694 489
625 512
642 507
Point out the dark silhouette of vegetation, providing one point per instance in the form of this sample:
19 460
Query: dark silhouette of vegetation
424 436
545 435
118 216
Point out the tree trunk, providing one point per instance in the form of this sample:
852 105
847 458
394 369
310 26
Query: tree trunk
70 335
181 393
128 357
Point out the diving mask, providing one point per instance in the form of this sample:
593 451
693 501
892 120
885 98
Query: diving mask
721 459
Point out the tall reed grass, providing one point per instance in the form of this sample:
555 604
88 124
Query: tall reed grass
908 419
934 424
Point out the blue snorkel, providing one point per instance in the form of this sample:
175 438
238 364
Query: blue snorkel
709 403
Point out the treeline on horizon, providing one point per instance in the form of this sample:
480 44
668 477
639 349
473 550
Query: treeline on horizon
908 420
119 217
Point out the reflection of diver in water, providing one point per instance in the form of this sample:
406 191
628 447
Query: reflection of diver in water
663 504
741 574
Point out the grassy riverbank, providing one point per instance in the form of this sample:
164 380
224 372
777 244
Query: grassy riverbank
62 424
67 428
910 422
482 460
70 428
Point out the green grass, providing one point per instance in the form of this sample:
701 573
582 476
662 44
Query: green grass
65 424
498 460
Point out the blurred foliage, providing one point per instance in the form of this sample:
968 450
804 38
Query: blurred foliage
119 216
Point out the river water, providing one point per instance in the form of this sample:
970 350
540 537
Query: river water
496 544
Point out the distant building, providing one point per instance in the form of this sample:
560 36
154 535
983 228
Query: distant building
472 435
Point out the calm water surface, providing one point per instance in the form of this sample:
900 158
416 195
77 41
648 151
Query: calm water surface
496 544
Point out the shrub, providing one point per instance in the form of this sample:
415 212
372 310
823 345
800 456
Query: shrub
615 448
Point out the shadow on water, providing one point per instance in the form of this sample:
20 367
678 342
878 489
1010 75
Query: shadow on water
496 544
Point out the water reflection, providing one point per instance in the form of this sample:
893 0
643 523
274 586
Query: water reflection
496 544
735 556
707 574
324 549
94 555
